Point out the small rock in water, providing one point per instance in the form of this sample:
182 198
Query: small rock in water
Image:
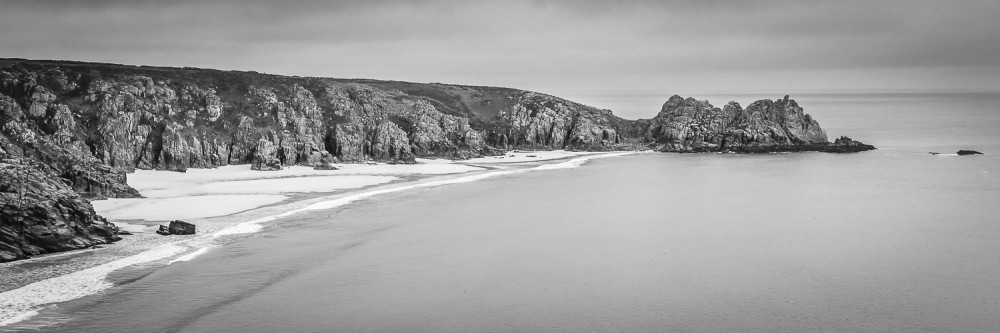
847 145
968 152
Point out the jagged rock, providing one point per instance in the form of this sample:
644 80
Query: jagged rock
265 157
689 125
968 152
40 214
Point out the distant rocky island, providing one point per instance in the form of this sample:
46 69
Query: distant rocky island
71 131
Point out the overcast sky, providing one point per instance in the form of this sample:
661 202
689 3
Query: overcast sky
567 48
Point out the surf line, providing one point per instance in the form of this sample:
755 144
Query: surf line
23 303
256 225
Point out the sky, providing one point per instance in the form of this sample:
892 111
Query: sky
573 49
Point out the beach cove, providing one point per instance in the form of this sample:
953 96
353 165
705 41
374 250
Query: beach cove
771 242
227 204
892 239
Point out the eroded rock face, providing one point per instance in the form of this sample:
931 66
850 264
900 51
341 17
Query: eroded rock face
39 213
689 125
88 125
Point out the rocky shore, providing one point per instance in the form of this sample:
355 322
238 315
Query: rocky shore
71 131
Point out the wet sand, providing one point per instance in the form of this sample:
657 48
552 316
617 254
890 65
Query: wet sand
224 203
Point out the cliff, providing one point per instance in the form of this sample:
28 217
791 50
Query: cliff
90 124
42 214
74 130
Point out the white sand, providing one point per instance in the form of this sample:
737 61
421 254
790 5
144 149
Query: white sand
24 302
152 179
182 208
268 186
517 156
203 193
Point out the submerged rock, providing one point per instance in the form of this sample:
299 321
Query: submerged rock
847 145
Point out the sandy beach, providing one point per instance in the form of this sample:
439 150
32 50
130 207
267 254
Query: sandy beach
228 203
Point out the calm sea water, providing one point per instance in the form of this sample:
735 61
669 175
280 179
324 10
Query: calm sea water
890 240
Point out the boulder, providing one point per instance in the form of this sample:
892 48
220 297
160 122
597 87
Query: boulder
177 227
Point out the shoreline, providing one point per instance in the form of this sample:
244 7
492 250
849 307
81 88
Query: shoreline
33 284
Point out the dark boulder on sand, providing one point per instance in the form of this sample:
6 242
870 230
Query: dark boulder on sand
968 152
177 227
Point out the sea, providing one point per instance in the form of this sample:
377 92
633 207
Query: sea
892 240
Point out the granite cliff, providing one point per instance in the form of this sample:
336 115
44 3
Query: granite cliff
71 131
81 127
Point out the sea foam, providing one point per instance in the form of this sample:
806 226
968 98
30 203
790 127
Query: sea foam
23 303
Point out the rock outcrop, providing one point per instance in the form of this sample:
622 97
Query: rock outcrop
689 125
41 213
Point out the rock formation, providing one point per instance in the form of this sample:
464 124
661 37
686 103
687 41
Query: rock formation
41 213
86 125
689 125
177 227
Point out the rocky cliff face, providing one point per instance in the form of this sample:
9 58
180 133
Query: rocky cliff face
42 214
91 124
74 130
689 125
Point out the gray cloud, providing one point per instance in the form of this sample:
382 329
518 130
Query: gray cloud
542 45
